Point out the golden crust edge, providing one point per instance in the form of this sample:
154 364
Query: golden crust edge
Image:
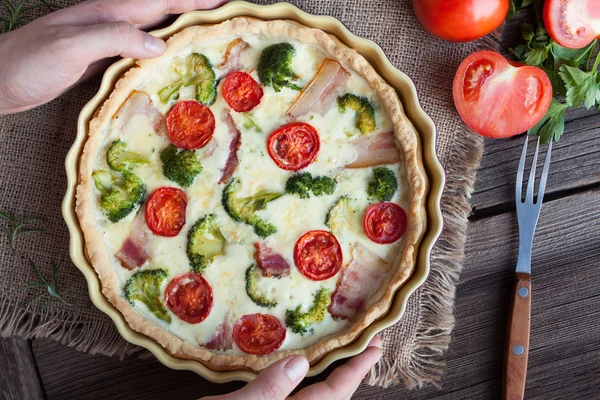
406 136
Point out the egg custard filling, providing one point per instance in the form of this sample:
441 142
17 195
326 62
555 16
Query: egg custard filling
254 192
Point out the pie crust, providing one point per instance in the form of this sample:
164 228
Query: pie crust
407 141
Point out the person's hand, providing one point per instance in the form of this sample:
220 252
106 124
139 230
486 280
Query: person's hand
43 59
278 381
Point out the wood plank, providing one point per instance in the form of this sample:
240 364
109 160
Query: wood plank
575 163
565 340
19 379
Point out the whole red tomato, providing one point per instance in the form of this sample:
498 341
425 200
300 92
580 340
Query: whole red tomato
460 20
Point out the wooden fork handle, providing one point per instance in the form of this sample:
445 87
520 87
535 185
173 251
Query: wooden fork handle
517 342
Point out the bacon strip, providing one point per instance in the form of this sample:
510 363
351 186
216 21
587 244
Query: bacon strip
234 50
133 252
359 282
223 337
322 91
269 262
375 150
232 159
140 102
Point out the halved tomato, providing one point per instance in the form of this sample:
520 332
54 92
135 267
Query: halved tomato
293 146
385 222
572 23
165 211
499 99
258 333
190 125
241 91
318 255
190 297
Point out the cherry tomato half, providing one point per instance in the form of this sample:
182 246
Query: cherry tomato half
497 99
572 23
460 20
241 91
318 255
293 146
190 297
165 211
258 333
190 125
385 222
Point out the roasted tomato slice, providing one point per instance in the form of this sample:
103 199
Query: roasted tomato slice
318 255
190 297
258 333
190 125
572 23
241 91
293 146
385 222
165 211
460 21
497 99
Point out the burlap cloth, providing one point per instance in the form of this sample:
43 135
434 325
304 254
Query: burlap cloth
33 146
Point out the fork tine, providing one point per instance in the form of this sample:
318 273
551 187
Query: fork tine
544 177
531 181
519 184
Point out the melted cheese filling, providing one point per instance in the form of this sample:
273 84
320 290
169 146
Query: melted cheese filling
291 215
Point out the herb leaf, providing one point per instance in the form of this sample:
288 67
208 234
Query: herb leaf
17 227
582 87
552 125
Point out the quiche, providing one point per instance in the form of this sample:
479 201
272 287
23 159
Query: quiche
255 192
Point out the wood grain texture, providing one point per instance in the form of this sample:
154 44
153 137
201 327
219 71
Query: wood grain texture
19 379
517 340
565 333
575 163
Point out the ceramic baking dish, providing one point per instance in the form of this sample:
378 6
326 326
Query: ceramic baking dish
408 95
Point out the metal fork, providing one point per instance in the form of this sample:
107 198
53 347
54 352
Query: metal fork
528 212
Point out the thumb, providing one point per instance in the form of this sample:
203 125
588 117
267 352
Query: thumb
277 381
95 42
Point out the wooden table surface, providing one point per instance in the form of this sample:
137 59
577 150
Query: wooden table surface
564 359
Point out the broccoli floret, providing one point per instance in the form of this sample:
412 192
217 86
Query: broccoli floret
300 322
194 70
120 159
144 286
205 242
339 217
252 277
302 184
299 184
323 185
180 166
383 187
364 111
244 209
275 66
120 193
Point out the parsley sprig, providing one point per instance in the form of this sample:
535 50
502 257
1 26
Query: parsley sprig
573 80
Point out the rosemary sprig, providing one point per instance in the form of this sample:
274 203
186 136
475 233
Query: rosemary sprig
51 287
18 13
18 227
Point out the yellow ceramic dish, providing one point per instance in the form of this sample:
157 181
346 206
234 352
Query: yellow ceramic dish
378 60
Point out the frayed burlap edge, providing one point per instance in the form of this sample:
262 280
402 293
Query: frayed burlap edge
436 320
29 323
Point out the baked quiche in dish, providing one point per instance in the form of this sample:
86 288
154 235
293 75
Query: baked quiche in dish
256 191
